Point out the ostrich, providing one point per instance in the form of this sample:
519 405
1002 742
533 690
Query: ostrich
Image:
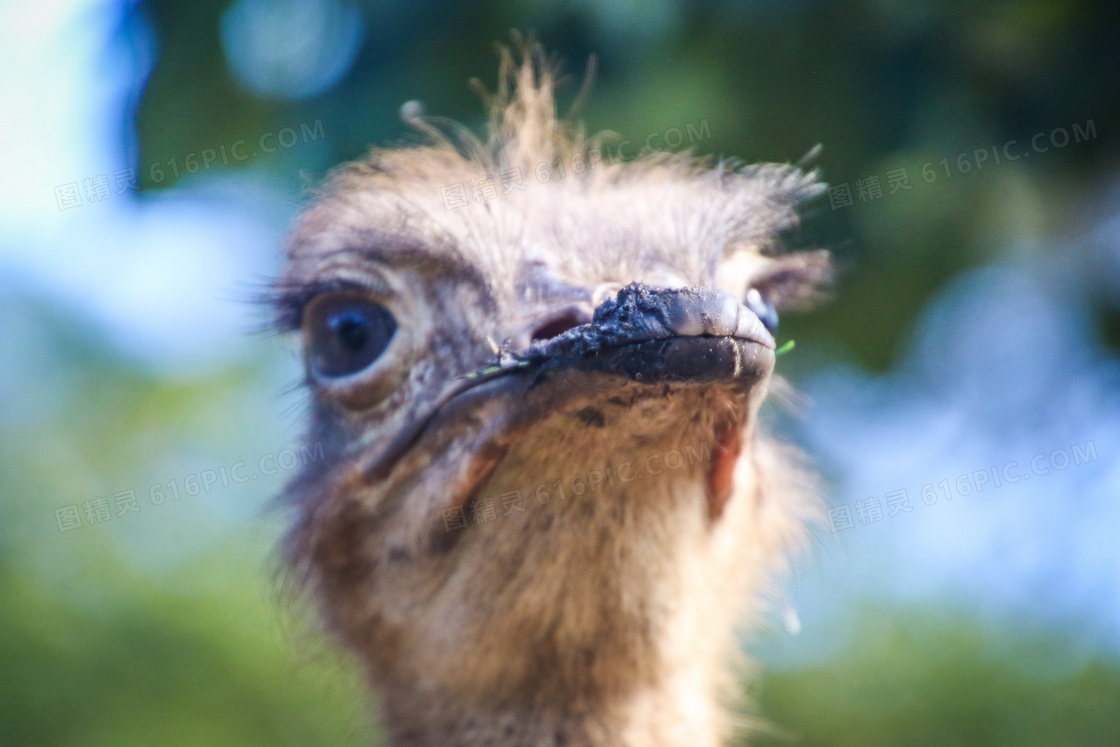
546 504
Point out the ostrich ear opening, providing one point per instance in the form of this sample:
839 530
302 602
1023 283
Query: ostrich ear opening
797 280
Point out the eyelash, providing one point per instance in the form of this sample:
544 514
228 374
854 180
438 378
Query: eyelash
289 303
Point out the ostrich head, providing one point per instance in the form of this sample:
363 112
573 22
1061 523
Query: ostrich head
545 503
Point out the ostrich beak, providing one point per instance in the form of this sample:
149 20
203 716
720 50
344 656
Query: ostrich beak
656 335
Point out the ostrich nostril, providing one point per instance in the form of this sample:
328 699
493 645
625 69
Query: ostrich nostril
558 325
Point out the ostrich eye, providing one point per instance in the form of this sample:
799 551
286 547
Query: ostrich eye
346 333
762 308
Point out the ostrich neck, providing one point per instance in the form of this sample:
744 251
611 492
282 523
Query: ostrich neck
593 606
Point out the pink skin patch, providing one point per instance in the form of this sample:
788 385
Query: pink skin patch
729 444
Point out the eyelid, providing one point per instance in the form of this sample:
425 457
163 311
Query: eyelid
291 302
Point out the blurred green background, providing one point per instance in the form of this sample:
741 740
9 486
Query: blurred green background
976 321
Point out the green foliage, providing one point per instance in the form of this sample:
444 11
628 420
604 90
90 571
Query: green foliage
915 682
161 661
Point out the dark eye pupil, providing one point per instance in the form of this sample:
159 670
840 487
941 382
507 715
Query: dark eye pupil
347 333
765 310
351 329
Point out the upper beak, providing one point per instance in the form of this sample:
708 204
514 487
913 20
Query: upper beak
695 334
